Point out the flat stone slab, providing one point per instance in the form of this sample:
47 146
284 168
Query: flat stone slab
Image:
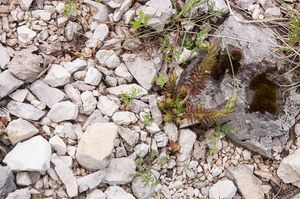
8 83
24 110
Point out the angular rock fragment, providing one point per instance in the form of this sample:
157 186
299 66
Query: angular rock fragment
186 141
8 83
125 117
93 76
57 76
130 136
25 35
24 110
108 58
117 192
7 184
63 111
90 181
106 106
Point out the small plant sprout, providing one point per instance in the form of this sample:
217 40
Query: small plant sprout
127 97
186 165
30 19
86 55
173 146
10 134
71 9
148 120
140 21
145 169
160 80
99 1
212 10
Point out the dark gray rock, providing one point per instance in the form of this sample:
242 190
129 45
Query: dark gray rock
8 83
7 184
47 94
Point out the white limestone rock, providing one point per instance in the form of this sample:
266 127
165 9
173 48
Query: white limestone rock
23 179
23 130
46 16
112 62
25 35
100 33
107 106
96 145
144 76
186 141
25 4
77 65
125 117
8 83
66 176
131 137
58 145
153 128
161 139
24 110
223 189
90 181
60 8
171 130
20 193
121 10
139 191
31 155
272 12
141 149
118 171
4 57
63 111
126 89
93 76
19 95
122 71
89 102
57 76
73 94
100 11
114 192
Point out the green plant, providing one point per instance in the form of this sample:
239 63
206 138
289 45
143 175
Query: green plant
30 19
127 97
85 55
294 29
148 120
145 169
173 146
212 11
99 1
140 21
34 195
10 134
160 80
175 107
198 179
71 8
186 165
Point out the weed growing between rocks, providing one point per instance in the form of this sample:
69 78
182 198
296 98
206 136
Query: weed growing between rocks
71 9
127 97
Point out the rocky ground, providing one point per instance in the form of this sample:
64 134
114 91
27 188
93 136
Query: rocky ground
66 133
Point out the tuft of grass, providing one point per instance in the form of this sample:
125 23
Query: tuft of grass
293 27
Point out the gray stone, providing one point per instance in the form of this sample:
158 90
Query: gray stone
100 33
198 10
82 86
99 10
8 83
63 111
106 106
24 110
66 176
58 145
96 145
95 194
4 57
121 10
161 139
219 5
60 8
124 117
19 95
93 76
25 35
57 76
139 190
137 106
111 81
23 130
46 16
122 71
244 3
20 193
90 181
200 149
171 130
7 184
31 155
118 171
141 150
108 58
186 141
126 89
25 67
130 136
89 102
155 112
77 65
223 189
47 94
145 76
248 185
73 94
272 12
25 4
114 192
73 30
96 116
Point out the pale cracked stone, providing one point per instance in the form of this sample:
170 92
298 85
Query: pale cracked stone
100 11
25 4
25 35
4 57
130 136
100 33
141 149
73 94
58 145
125 117
118 171
93 76
139 190
107 106
108 58
223 189
20 193
19 95
96 145
31 155
90 181
46 16
95 194
57 76
161 139
66 176
22 129
122 71
23 179
76 65
26 111
8 83
248 185
186 141
121 10
114 192
89 102
63 111
171 130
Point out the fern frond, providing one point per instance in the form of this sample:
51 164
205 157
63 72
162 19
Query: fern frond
199 114
171 85
213 49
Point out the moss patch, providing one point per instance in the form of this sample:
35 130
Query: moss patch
222 63
265 96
